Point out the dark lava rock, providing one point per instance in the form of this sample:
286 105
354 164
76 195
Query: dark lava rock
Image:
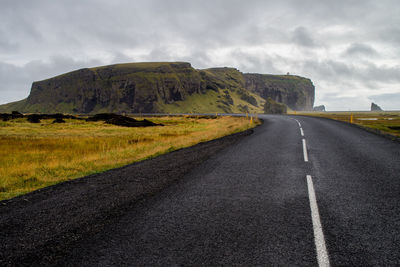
34 118
13 115
120 120
5 116
273 107
56 116
319 108
375 107
59 120
103 117
16 114
395 127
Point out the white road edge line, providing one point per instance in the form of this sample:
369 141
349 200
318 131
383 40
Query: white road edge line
301 131
305 150
322 253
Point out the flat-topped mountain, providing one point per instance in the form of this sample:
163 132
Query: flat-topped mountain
163 87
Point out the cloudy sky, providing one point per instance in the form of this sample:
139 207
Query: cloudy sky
349 49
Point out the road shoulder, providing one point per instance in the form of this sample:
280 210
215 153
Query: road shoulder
38 228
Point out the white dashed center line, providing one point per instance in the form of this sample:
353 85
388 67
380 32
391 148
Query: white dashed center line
322 253
305 150
319 239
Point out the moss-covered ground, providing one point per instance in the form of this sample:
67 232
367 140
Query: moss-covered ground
214 102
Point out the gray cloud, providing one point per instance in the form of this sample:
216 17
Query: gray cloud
360 49
365 72
301 36
253 63
121 58
7 46
16 81
332 42
390 34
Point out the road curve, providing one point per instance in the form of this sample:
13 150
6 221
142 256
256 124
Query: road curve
357 180
250 204
298 191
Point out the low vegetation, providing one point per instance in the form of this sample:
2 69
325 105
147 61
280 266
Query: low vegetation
386 122
219 101
35 155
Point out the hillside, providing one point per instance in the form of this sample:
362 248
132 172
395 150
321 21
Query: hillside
294 91
163 87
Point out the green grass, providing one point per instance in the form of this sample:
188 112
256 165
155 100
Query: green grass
208 103
387 122
33 156
17 105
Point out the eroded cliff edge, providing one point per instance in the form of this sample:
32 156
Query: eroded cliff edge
163 87
296 92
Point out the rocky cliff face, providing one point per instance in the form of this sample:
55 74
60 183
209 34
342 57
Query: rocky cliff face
118 88
294 91
152 87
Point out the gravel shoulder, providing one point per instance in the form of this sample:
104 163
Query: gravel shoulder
39 228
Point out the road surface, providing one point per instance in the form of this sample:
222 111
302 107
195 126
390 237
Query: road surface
299 191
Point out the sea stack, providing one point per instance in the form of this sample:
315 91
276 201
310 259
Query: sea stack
375 107
319 108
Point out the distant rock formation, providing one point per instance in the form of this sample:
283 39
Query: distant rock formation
375 107
161 87
319 108
294 91
273 107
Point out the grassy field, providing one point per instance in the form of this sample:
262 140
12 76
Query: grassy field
33 156
387 122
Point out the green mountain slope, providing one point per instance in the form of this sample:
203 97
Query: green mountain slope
17 105
162 87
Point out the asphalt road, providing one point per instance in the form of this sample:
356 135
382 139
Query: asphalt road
250 205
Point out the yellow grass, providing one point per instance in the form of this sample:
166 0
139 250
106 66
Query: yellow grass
387 122
33 156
